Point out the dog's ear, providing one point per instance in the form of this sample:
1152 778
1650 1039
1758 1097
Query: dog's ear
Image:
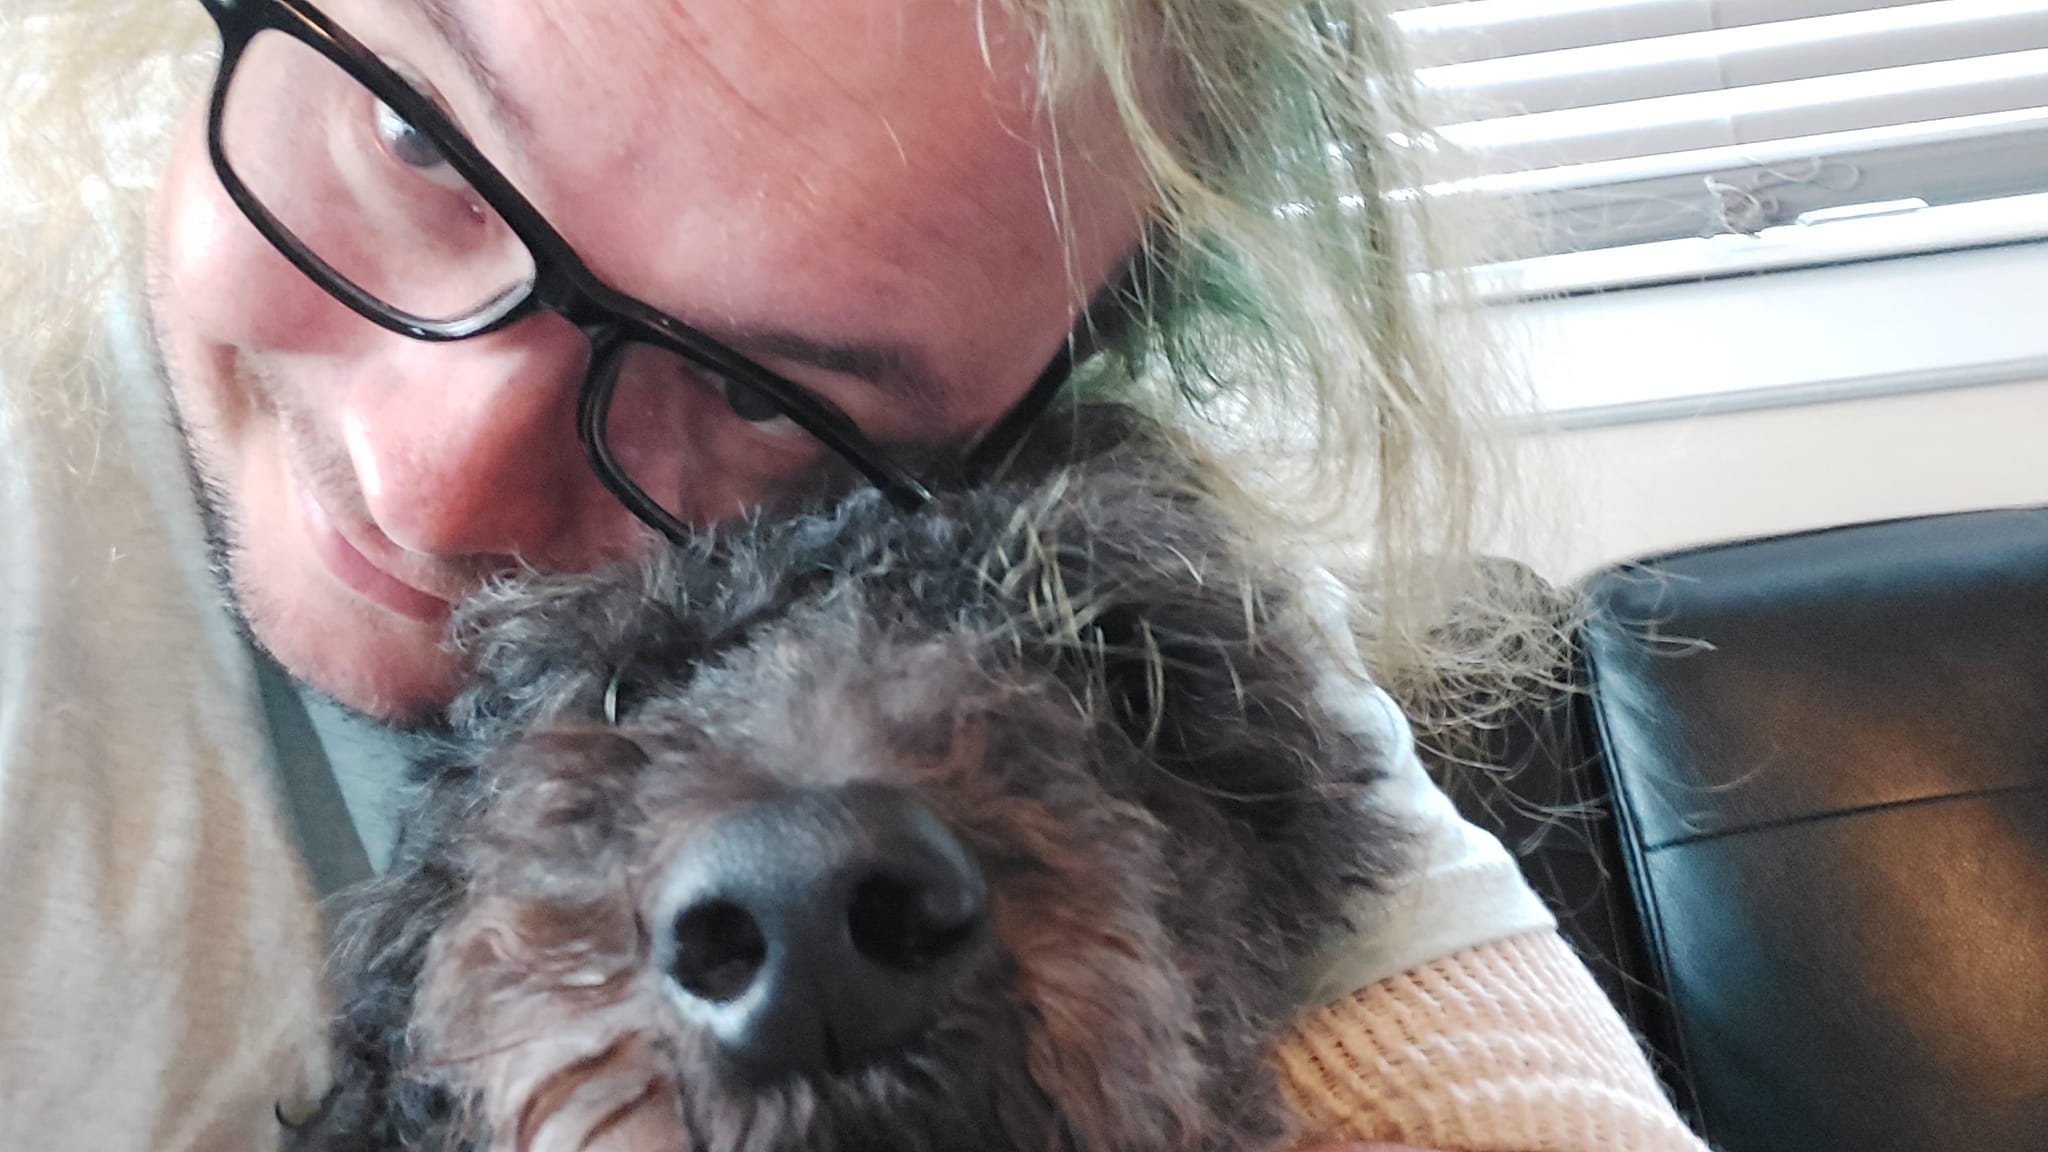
1183 634
1198 651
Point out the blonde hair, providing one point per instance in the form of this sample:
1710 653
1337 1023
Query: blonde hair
1311 310
1298 308
90 91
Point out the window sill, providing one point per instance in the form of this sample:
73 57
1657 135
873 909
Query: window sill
1907 324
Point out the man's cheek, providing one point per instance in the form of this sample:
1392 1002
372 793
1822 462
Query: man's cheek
225 283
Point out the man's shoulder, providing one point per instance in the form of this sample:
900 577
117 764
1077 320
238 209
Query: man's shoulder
164 954
84 473
1460 888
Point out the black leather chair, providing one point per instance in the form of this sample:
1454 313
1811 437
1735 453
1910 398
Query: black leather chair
1797 820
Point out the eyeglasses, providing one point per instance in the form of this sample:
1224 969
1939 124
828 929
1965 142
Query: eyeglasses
368 188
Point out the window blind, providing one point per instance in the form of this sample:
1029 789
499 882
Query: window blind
1612 123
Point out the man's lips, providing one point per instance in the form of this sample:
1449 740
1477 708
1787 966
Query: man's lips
359 573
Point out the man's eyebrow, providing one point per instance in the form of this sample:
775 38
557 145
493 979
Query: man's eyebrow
450 20
895 368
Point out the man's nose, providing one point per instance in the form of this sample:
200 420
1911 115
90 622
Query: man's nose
470 449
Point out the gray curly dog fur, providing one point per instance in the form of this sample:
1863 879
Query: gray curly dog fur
1080 670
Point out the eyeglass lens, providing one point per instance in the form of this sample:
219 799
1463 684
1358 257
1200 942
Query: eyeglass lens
736 434
363 190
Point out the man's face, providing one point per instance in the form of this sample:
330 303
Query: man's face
780 173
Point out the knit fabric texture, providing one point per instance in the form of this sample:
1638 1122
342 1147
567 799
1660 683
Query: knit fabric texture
1507 1047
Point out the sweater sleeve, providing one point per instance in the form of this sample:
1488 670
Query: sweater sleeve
1504 1047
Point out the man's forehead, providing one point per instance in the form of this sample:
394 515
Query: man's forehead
917 83
762 102
864 48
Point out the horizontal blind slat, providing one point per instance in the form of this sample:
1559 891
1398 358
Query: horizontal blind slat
1637 132
1755 114
1759 54
1485 29
2012 220
1747 189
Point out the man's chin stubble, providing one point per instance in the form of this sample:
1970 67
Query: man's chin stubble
224 534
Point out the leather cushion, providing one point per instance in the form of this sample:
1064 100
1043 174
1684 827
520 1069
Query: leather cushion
1829 760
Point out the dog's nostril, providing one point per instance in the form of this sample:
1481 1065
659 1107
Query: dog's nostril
719 950
909 927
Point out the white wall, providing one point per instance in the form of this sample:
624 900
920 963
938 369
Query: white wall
1857 392
1635 488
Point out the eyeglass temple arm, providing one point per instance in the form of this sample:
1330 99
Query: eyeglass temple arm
1098 324
1000 442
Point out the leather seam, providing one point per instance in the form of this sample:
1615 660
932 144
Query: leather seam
1635 859
1838 814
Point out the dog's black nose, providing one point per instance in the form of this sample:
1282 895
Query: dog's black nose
817 930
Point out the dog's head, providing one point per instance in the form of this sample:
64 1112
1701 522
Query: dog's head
828 838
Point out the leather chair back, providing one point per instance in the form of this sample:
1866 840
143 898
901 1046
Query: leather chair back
1816 869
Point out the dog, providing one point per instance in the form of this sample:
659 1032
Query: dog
1000 826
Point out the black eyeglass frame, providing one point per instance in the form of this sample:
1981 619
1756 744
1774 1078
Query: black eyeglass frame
610 320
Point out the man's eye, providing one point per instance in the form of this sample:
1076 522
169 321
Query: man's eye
405 143
749 404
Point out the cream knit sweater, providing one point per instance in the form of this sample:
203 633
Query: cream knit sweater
1505 1047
